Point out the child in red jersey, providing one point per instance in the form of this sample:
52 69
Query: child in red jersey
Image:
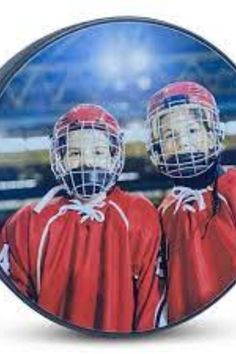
198 217
89 257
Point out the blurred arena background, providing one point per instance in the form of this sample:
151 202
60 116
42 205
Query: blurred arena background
119 66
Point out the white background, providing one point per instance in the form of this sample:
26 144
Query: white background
22 330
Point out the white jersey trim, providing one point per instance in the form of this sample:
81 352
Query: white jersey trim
161 312
120 211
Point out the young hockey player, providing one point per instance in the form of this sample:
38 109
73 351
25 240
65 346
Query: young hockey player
198 217
87 257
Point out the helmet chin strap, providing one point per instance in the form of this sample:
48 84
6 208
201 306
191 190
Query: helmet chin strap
203 180
88 184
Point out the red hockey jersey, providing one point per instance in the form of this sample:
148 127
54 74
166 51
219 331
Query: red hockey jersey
201 248
94 273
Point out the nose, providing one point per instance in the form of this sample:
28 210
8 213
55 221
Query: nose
183 142
87 158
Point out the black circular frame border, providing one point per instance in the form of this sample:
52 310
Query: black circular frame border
6 74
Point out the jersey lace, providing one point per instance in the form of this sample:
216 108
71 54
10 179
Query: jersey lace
184 197
88 210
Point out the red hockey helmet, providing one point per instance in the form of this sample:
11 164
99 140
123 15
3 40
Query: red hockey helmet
85 181
181 93
183 100
84 115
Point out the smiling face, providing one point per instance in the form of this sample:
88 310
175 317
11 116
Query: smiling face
87 149
183 130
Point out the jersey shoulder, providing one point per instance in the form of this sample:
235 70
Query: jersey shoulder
139 211
168 202
135 202
227 181
28 211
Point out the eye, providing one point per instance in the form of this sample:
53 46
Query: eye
97 152
100 151
193 130
74 153
169 135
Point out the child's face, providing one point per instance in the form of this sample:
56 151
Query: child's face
182 130
88 149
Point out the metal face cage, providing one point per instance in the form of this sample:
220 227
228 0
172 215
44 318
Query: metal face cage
191 154
104 167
